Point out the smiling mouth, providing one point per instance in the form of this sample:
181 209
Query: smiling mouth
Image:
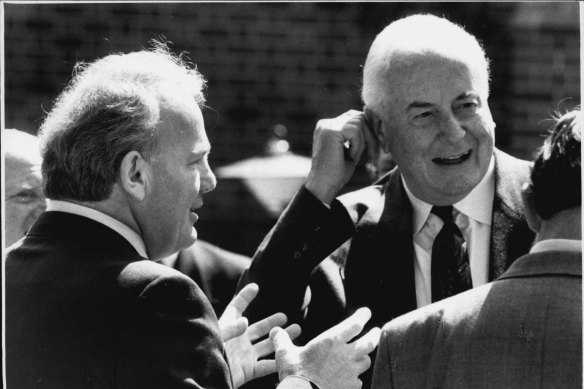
454 160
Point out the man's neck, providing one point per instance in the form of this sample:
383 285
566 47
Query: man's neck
566 224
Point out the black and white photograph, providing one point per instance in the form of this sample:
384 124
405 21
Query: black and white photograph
291 194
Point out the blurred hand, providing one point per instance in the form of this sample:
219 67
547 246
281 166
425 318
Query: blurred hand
238 338
338 146
329 360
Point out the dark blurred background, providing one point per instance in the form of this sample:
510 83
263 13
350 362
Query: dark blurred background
275 65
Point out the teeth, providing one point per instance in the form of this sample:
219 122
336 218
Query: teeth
452 160
456 156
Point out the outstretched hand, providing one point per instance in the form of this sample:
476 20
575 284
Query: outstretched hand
329 360
243 355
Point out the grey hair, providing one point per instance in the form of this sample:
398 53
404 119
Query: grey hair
417 34
109 108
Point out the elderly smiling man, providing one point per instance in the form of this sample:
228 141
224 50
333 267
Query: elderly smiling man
448 218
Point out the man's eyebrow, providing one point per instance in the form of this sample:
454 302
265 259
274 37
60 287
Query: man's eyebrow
418 104
200 151
466 95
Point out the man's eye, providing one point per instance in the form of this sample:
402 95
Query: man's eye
469 105
25 197
423 115
422 118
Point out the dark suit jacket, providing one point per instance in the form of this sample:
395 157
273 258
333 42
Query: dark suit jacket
216 271
84 310
522 331
370 232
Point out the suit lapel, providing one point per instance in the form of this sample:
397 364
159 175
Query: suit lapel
510 235
380 269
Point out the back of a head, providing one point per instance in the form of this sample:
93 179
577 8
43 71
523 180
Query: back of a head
111 107
556 174
417 34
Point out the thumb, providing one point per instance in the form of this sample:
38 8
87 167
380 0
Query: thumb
280 339
233 329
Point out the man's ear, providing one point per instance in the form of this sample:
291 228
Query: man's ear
533 219
376 124
135 175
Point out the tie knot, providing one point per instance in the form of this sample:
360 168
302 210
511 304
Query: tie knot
444 213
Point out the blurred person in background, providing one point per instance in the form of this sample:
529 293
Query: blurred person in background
24 198
523 330
214 270
125 167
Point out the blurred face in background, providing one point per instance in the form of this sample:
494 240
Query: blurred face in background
25 200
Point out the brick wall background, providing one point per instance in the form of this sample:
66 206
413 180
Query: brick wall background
290 64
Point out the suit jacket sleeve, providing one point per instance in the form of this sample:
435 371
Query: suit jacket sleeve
382 369
304 235
171 338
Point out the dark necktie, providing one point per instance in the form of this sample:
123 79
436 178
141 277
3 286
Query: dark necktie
450 267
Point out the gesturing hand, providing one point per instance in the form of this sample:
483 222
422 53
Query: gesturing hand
329 360
238 338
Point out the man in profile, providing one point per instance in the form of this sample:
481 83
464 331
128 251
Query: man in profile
87 305
523 330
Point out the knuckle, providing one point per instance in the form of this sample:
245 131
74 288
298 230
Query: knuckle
328 342
367 362
356 327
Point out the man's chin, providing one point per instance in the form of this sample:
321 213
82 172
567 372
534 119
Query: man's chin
459 188
193 237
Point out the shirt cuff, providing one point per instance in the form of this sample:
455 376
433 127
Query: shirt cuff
296 382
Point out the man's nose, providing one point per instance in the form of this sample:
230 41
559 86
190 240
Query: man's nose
208 181
451 129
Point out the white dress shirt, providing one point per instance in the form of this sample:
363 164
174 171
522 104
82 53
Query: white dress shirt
130 235
472 215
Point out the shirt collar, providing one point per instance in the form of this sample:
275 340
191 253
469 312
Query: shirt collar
557 245
421 209
130 235
477 205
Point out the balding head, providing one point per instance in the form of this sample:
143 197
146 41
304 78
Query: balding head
411 38
24 197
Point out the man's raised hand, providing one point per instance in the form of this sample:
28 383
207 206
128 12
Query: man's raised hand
329 360
243 355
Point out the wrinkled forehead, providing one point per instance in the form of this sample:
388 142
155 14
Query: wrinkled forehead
430 73
181 121
20 173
